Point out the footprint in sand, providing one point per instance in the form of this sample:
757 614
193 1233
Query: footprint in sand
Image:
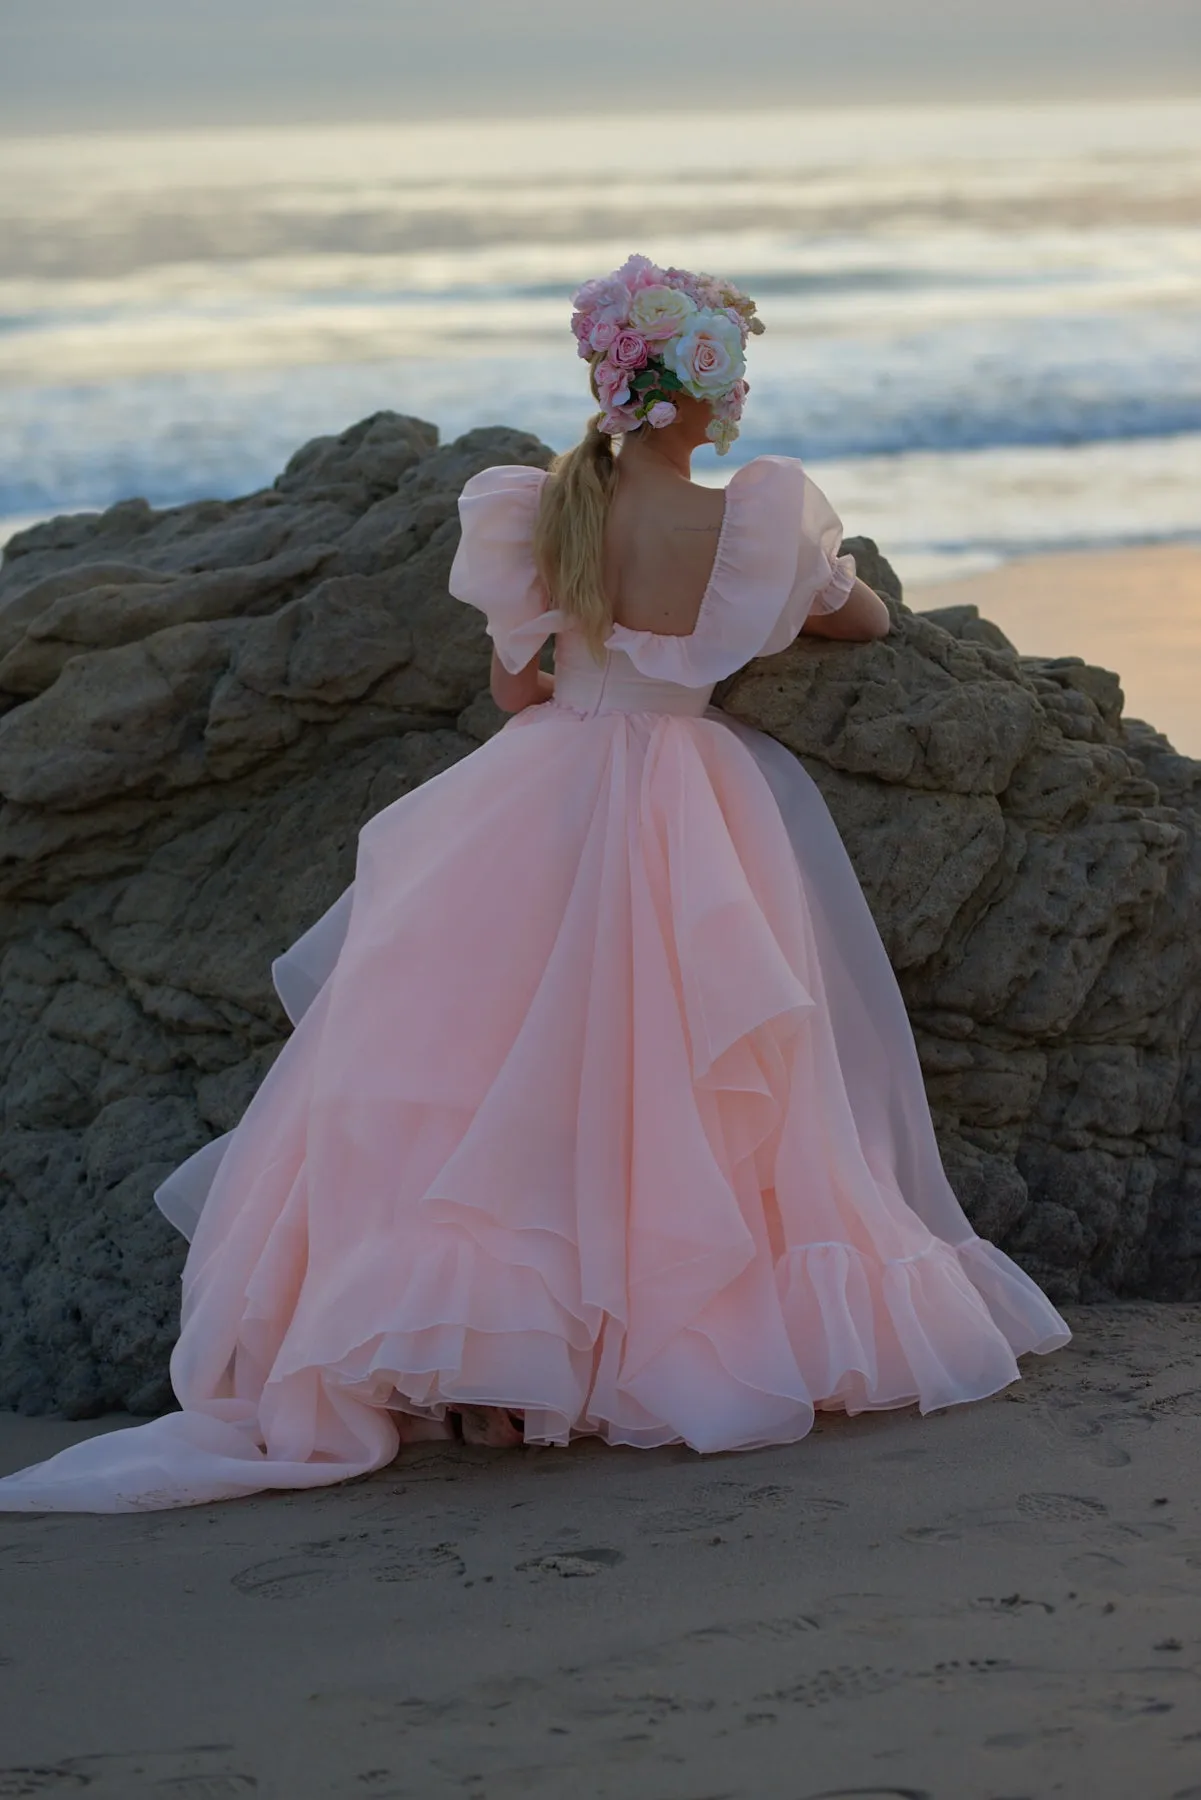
288 1578
140 1772
1179 1406
932 1534
1060 1508
568 1563
1121 1536
1027 1740
862 1681
441 1559
205 1787
1093 1565
677 1521
1097 1433
845 1682
776 1498
17 1784
772 1631
726 1502
874 1793
1010 1604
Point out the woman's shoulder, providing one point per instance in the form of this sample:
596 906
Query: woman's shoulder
767 474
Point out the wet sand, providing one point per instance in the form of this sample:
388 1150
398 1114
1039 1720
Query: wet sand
996 1602
1135 611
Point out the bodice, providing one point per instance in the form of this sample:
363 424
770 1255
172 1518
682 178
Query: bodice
776 561
616 685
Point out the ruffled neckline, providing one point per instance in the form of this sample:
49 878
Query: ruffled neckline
756 567
776 551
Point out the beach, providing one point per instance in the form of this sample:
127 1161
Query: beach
995 1600
1136 611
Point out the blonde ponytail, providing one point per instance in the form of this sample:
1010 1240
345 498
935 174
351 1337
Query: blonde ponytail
569 534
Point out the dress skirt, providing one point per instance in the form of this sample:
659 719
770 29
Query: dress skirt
601 1105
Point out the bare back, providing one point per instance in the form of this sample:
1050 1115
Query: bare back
661 538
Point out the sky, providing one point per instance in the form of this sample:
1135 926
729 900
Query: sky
113 64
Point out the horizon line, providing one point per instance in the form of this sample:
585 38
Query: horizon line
564 112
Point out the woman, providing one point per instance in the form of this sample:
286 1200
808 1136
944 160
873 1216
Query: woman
602 1112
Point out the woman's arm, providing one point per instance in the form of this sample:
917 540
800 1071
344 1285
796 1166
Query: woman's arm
529 687
862 615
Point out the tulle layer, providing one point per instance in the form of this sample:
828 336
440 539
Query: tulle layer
933 1331
602 1106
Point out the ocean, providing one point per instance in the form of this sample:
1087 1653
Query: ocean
983 323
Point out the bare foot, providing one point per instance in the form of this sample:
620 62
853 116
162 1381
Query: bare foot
490 1425
422 1431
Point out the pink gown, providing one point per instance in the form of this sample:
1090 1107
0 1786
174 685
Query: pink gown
601 1103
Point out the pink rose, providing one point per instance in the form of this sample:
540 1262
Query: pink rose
661 413
684 283
700 287
729 406
602 334
607 298
628 350
620 419
612 385
639 272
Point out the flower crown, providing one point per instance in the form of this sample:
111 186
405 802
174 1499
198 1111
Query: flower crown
650 333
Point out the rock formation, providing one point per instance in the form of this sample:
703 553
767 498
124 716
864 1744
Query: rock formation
202 706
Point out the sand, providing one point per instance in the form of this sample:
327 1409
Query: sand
1136 611
997 1602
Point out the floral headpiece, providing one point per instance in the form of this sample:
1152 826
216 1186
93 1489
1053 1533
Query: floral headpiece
650 333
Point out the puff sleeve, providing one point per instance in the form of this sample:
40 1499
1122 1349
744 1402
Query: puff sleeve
777 560
823 579
493 568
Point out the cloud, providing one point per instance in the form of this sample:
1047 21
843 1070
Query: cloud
82 62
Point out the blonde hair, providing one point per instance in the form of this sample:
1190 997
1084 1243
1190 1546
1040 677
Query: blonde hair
569 534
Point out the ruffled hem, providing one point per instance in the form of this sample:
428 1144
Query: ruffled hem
941 1328
938 1329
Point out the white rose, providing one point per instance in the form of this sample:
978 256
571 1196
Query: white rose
660 312
709 357
721 434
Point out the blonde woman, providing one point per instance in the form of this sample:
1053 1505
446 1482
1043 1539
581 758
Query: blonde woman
602 1113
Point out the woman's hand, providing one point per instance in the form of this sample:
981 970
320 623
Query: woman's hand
529 687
